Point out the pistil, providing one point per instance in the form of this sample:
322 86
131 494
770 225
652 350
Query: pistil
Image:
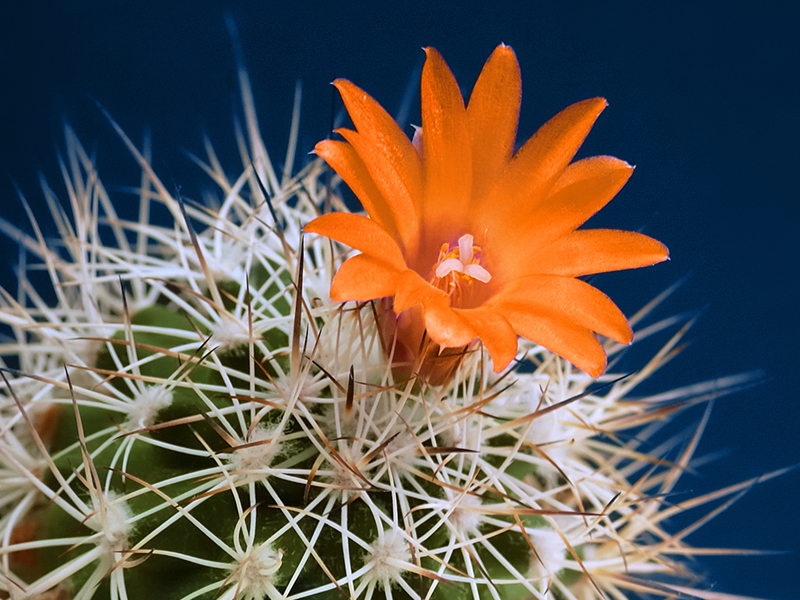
459 266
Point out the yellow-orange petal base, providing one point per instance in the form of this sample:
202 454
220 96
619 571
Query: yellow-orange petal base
506 223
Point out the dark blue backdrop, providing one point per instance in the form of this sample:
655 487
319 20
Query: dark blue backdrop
701 100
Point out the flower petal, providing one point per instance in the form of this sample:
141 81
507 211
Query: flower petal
343 159
452 328
363 278
492 115
446 327
567 300
583 189
413 289
495 332
443 324
590 251
592 168
447 164
538 164
361 233
391 185
576 344
373 122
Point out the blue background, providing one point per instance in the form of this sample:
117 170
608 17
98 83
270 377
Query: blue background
702 100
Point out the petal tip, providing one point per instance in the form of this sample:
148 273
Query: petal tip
596 372
501 362
340 82
432 55
319 147
594 367
599 104
504 49
664 254
310 227
592 106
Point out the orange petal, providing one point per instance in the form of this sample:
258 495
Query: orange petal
343 159
363 278
361 233
593 167
576 344
492 116
584 188
564 299
373 122
413 289
539 163
444 326
391 185
447 164
495 332
589 251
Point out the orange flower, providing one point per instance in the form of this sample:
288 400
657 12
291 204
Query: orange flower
483 239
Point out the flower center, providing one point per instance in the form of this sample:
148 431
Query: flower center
459 266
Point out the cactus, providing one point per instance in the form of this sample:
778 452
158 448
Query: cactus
193 418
